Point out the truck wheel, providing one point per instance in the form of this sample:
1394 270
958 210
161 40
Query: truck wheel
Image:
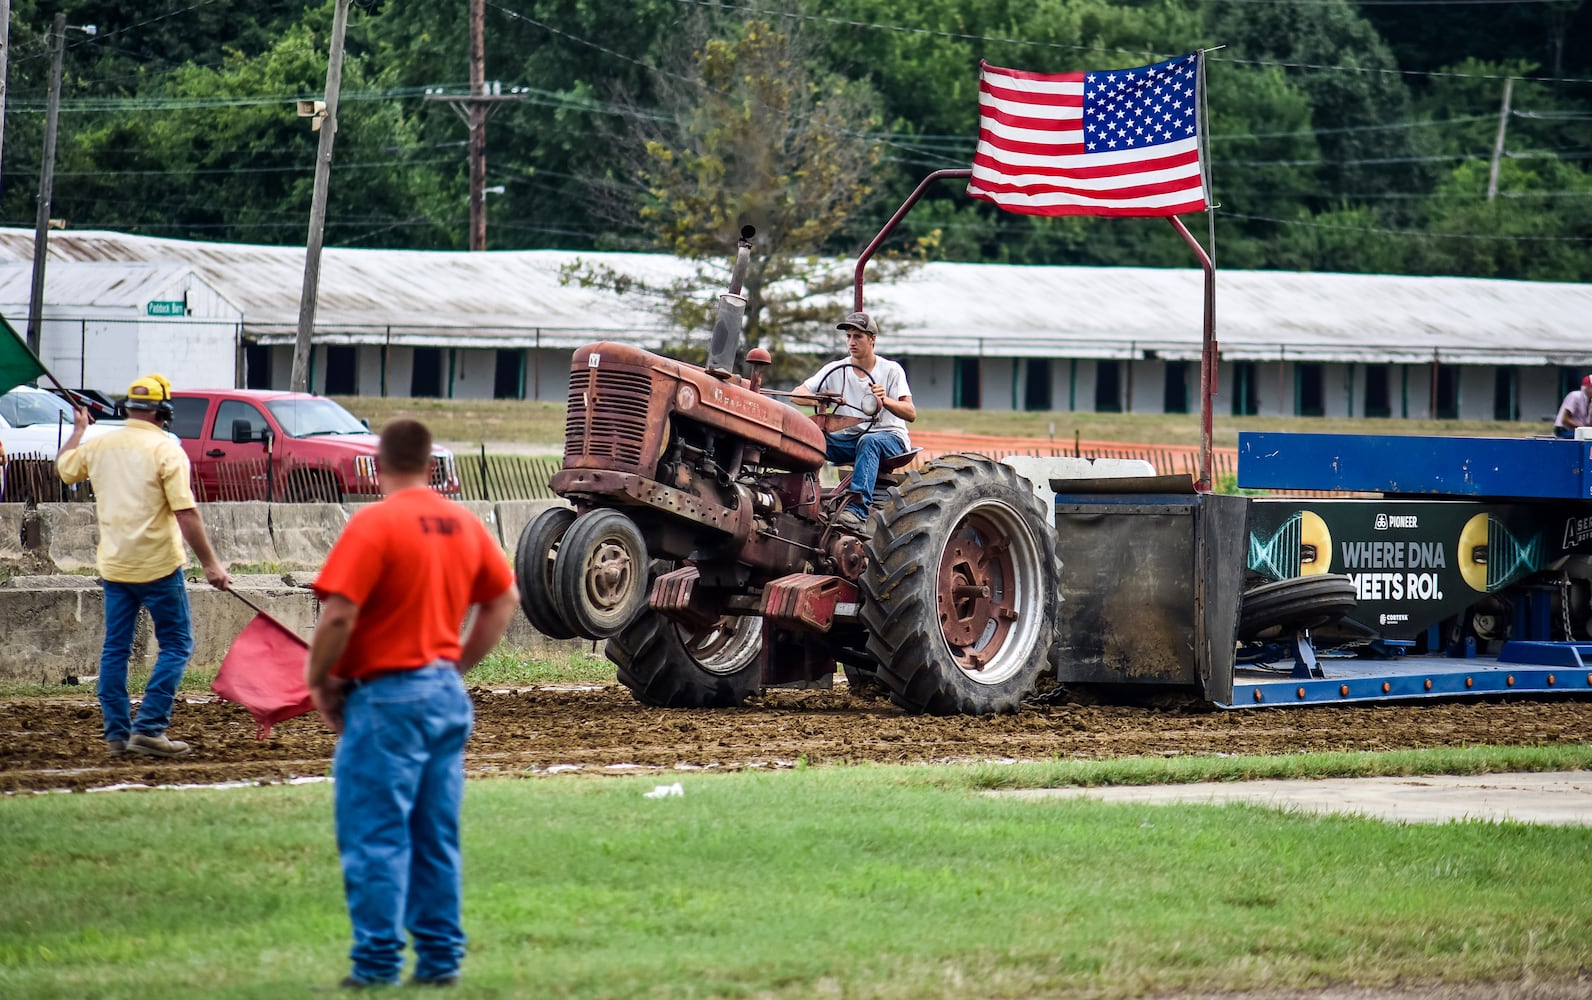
961 590
665 664
600 573
533 571
1281 606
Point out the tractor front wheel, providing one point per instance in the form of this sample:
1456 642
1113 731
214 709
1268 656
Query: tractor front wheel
600 573
668 665
961 590
533 571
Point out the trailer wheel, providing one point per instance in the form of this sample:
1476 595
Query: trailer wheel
1307 602
600 573
670 666
533 571
961 590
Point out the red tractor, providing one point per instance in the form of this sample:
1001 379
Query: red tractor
700 545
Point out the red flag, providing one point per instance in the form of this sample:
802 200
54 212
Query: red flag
264 672
1107 142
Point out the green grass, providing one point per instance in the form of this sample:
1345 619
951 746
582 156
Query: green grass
854 882
542 423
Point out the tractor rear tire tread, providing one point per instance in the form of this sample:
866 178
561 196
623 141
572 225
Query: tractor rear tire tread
654 663
900 605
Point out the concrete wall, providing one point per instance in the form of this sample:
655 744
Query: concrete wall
52 609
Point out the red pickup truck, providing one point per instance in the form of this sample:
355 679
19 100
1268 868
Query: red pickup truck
257 444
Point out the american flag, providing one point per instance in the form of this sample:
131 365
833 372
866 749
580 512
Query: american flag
1109 142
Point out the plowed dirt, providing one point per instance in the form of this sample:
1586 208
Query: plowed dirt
55 743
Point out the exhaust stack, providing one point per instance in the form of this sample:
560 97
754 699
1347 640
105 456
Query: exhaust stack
732 311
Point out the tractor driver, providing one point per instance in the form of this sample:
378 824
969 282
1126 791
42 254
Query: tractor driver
879 387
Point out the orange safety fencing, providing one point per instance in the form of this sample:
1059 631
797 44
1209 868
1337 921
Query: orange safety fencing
1168 459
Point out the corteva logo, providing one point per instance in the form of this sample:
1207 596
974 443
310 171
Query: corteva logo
1386 521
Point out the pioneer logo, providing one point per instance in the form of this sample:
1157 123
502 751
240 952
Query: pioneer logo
1386 521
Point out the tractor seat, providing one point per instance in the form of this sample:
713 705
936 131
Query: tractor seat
900 461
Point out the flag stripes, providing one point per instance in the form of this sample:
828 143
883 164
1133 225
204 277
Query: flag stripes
1112 142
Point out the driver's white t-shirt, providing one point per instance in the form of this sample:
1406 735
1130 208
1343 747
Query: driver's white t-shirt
860 399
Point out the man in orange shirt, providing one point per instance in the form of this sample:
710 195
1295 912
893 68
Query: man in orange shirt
385 669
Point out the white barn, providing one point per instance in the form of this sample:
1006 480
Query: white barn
502 324
101 321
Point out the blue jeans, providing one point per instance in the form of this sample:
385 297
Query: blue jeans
864 453
399 779
1563 432
167 601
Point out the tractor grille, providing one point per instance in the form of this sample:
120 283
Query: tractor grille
607 415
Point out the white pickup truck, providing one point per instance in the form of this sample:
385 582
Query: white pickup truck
34 423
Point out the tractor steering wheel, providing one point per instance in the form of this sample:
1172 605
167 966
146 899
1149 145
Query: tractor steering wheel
837 400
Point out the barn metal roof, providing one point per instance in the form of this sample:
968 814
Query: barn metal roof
113 287
517 299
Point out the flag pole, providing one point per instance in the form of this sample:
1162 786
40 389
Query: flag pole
1202 484
1209 355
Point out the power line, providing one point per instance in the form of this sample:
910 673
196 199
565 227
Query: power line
968 36
296 168
1406 232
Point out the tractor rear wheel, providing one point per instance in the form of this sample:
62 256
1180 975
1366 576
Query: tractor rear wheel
961 590
667 665
533 571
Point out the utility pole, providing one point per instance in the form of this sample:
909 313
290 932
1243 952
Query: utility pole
1498 144
5 56
477 125
327 119
474 109
41 226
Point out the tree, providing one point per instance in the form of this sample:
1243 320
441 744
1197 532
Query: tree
748 131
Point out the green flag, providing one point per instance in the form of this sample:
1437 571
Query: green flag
17 363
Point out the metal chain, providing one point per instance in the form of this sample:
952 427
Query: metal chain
1564 605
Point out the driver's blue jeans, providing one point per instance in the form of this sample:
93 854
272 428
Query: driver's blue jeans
864 454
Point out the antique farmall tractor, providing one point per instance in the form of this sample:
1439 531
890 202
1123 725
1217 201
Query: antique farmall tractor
700 544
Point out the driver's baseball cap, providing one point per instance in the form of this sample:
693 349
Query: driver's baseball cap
1586 381
861 321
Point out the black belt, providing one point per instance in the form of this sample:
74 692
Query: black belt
381 675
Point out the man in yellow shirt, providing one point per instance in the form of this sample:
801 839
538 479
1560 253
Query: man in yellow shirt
145 509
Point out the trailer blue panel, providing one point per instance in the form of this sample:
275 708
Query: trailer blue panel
1467 572
1540 468
1405 678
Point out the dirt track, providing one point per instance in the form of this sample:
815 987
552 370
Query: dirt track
55 743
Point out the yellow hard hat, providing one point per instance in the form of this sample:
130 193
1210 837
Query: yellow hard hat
149 391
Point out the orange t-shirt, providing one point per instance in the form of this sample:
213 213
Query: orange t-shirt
414 563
